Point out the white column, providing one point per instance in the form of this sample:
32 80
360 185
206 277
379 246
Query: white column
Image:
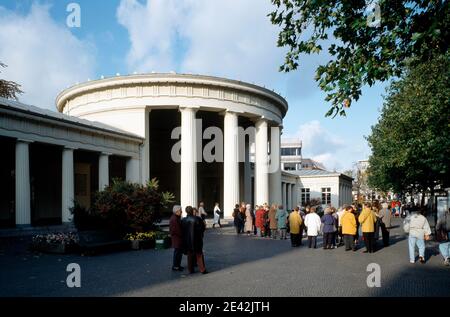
283 195
261 164
247 173
68 192
145 149
230 163
103 170
188 190
23 210
275 168
132 170
295 195
289 195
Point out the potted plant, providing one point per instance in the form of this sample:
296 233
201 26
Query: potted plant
141 240
162 240
55 242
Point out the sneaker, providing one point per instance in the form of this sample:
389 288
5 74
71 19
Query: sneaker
412 262
447 262
422 259
175 268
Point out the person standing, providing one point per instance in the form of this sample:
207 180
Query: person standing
201 211
295 223
248 219
329 228
217 213
266 220
349 228
242 217
176 235
367 219
443 236
237 216
193 229
385 224
273 225
282 217
339 214
312 223
418 228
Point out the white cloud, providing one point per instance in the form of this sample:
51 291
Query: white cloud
43 56
319 144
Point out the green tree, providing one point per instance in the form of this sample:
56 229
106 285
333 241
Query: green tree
9 89
411 142
362 53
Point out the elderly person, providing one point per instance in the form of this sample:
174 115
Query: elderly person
367 219
282 218
201 210
295 223
177 238
329 228
419 230
349 228
385 216
443 236
273 225
193 228
248 219
312 223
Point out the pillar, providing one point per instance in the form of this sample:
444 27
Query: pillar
275 166
188 190
261 163
68 192
132 170
103 171
23 210
283 193
230 163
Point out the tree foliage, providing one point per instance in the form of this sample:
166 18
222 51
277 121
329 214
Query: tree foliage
362 53
411 142
9 89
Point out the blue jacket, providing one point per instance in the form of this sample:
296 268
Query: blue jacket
329 223
281 216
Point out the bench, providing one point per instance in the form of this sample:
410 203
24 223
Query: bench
93 242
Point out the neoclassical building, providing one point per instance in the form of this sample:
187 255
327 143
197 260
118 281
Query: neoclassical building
130 127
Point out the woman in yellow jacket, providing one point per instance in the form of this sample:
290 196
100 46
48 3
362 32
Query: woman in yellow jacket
367 219
295 223
348 223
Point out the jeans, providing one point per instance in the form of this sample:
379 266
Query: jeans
445 248
312 241
349 241
177 255
413 241
282 234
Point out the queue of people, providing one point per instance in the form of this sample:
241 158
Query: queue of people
339 227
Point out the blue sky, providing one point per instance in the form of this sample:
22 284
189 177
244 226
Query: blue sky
228 38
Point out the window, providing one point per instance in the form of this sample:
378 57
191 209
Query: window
290 151
290 166
326 195
305 196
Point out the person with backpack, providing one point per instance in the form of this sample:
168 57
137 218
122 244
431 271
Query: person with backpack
418 228
443 236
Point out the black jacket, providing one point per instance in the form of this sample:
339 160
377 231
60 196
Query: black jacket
193 228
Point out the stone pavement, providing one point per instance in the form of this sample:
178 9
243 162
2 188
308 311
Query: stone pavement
239 266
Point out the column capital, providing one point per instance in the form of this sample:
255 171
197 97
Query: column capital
106 153
229 111
71 148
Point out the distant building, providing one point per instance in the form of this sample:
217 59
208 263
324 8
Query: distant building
313 181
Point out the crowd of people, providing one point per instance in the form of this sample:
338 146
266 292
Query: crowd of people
347 226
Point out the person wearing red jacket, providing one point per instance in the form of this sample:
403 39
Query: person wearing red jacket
260 220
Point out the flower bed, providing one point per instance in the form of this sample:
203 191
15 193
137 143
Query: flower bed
55 242
141 240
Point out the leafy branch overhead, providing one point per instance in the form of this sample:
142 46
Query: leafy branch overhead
9 89
362 53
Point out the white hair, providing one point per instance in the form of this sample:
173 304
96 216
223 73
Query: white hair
176 208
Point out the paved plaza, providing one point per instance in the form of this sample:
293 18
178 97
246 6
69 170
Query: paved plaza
238 265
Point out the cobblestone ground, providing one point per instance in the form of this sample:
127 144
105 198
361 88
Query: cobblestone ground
239 266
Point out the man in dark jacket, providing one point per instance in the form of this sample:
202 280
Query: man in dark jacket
177 238
193 228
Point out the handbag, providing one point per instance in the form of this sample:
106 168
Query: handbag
441 235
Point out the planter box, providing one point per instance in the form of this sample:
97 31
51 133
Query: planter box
58 248
142 244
